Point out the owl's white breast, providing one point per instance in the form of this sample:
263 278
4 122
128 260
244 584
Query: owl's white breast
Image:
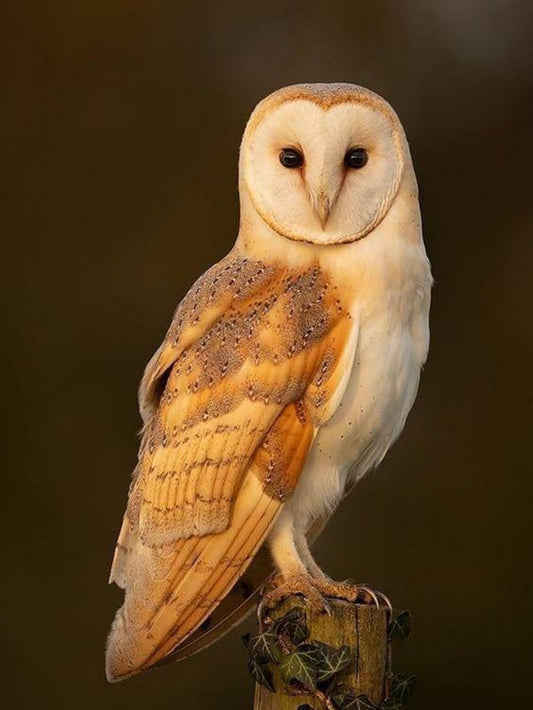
390 308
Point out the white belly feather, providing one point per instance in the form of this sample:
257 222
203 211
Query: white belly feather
389 275
379 394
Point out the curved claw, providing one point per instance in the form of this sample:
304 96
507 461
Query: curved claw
385 598
260 611
370 592
260 605
375 594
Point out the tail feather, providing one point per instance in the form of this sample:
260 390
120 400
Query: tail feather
199 573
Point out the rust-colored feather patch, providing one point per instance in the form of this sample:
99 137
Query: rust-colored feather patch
231 401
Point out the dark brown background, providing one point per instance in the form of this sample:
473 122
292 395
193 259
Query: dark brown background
123 127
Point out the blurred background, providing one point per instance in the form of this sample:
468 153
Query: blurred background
121 135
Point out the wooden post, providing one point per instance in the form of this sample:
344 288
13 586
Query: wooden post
313 660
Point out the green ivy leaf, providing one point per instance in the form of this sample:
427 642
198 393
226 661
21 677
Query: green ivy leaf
390 704
400 626
305 706
363 703
344 698
402 687
261 673
300 666
293 625
262 647
330 660
341 696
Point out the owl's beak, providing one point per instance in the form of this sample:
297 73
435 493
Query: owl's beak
324 190
322 207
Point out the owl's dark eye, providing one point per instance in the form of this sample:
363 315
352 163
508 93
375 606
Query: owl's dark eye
356 158
291 158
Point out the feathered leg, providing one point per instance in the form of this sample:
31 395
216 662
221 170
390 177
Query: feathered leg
300 574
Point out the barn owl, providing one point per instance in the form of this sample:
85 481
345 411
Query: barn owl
288 371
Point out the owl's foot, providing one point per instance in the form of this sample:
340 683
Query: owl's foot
351 592
317 590
282 588
364 594
348 592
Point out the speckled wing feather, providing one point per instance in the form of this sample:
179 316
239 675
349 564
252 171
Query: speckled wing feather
238 603
249 369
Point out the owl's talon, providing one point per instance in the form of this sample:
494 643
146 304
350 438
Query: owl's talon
368 595
337 590
385 599
352 592
301 585
375 596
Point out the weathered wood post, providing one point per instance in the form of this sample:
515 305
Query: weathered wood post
305 659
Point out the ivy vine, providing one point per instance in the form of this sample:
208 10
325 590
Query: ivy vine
313 667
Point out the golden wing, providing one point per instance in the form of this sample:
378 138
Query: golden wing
231 401
238 603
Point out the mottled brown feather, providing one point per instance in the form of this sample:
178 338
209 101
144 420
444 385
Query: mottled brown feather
231 403
224 389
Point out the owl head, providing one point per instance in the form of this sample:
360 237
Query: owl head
322 163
